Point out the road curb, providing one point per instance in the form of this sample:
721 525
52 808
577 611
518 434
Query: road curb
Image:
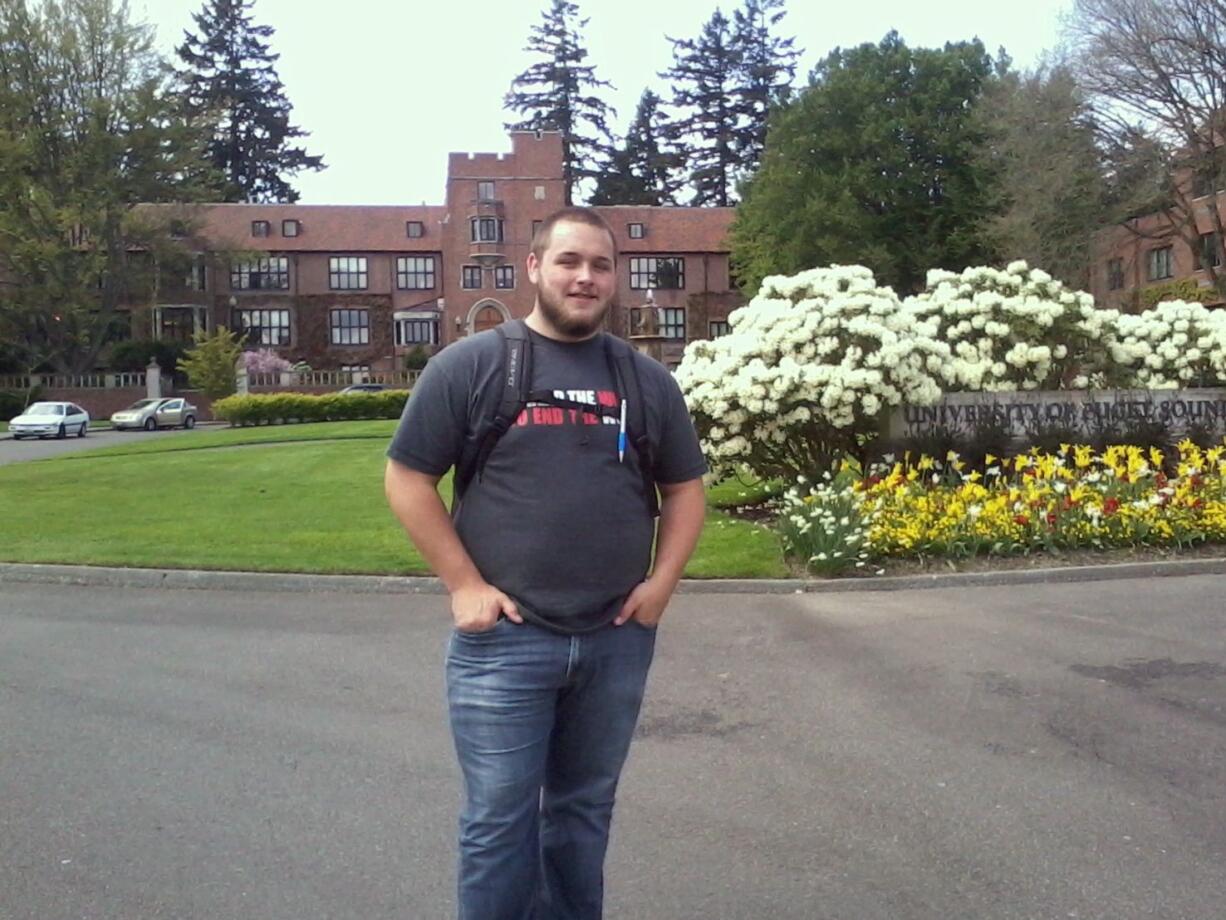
100 576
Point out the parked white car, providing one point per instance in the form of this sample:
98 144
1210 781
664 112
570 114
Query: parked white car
152 414
47 419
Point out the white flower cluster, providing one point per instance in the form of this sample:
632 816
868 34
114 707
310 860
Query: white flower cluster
810 362
1175 344
1016 329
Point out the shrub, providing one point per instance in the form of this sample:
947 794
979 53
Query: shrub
1175 344
13 402
283 408
804 375
211 362
823 525
135 355
265 361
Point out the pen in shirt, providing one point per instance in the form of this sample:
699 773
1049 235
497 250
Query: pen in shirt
621 435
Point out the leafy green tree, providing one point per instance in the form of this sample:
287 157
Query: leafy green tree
874 163
230 82
704 78
210 362
87 131
557 93
642 170
767 66
1041 143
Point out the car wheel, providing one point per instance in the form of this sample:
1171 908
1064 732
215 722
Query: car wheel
81 433
61 434
189 422
18 437
151 425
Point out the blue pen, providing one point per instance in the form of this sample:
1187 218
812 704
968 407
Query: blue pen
621 435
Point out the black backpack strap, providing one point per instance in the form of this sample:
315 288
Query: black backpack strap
516 376
626 372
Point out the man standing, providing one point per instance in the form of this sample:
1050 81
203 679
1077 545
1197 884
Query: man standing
548 560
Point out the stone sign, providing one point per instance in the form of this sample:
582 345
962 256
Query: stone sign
1085 411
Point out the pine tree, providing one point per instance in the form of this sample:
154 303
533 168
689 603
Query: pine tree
230 79
641 170
704 77
556 94
767 67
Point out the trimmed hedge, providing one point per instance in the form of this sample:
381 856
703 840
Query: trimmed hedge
283 408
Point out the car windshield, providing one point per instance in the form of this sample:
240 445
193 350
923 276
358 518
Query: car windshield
143 403
45 409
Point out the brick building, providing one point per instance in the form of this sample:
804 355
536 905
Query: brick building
358 287
1151 254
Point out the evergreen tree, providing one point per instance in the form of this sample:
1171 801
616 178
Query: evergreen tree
767 68
704 77
557 94
230 80
641 170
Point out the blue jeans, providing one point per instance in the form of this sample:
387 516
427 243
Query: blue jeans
542 723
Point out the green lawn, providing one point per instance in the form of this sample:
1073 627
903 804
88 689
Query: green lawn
279 505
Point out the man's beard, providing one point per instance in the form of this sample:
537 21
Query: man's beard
579 327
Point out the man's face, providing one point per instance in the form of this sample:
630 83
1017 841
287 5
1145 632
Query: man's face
575 279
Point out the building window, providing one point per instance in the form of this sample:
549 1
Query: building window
290 228
536 225
261 228
718 327
658 274
504 277
1159 263
262 327
197 278
271 274
470 277
1115 274
485 190
349 326
486 230
415 273
357 372
347 273
636 231
420 330
178 229
1210 255
672 325
414 229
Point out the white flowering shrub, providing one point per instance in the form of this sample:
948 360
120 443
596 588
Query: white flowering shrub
807 370
1017 329
1175 344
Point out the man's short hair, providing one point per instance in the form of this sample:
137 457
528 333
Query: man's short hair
573 214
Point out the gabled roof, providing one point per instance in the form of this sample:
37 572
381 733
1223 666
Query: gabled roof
357 228
670 229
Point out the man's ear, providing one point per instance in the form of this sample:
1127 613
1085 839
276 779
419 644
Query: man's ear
534 268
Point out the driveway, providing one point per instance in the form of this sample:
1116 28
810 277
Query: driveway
1053 751
12 451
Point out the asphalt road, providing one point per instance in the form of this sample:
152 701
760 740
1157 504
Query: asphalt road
1043 752
13 451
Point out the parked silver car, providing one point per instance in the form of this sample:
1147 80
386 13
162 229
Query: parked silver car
152 414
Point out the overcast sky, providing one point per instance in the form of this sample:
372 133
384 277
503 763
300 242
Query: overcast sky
388 87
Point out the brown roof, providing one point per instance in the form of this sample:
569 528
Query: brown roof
677 229
357 228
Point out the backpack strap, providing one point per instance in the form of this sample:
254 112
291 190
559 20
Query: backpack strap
515 372
625 371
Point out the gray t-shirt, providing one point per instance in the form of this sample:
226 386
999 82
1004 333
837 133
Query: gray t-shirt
555 521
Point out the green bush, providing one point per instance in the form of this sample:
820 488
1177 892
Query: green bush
12 402
135 355
285 408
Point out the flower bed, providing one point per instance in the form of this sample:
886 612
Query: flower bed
1072 498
